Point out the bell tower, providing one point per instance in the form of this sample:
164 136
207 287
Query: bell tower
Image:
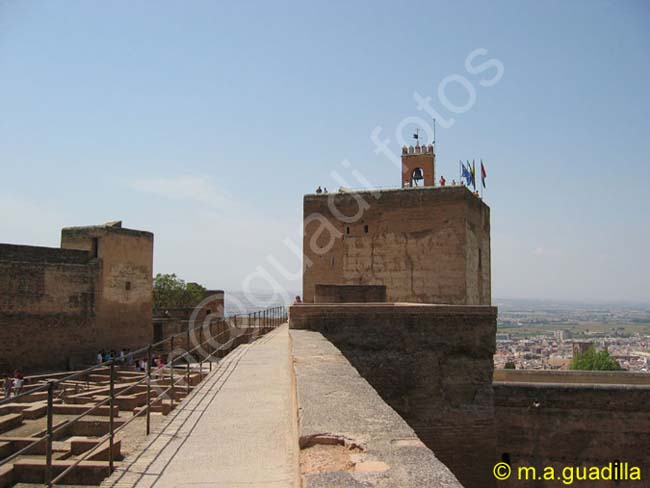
418 166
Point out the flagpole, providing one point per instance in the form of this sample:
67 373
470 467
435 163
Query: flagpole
481 187
434 131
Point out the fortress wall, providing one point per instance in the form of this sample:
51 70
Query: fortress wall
592 377
61 305
47 307
572 424
350 293
375 446
426 244
125 281
431 363
207 317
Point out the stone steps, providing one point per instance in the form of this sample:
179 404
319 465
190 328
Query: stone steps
86 472
10 421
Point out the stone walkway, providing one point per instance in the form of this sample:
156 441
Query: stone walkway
236 429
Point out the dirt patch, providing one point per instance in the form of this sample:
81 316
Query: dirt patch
326 458
326 453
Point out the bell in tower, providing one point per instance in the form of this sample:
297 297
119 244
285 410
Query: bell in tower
418 166
417 177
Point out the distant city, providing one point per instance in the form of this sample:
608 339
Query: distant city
539 334
546 334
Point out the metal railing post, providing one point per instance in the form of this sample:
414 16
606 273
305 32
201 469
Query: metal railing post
148 407
200 351
187 360
171 369
210 347
111 425
48 446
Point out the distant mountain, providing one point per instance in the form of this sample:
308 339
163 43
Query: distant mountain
540 304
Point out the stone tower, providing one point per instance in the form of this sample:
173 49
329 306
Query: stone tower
123 291
418 166
429 244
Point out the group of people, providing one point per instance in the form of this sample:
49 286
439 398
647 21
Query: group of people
13 383
320 190
157 364
443 182
124 356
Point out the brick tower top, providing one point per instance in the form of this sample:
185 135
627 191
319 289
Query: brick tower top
418 166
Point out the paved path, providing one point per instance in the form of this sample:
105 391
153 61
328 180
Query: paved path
236 429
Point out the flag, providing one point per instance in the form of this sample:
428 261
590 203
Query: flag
483 174
466 174
469 170
473 173
416 136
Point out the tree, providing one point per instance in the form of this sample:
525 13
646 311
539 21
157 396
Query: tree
169 291
592 360
510 365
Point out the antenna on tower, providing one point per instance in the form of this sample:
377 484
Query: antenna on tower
434 131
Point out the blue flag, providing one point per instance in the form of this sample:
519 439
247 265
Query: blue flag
467 174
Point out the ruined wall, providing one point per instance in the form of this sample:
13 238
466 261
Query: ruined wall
432 364
426 245
572 425
208 314
47 307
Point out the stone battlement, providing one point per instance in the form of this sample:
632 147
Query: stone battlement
431 363
45 255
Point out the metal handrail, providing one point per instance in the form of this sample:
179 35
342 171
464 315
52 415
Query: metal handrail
107 363
264 320
112 431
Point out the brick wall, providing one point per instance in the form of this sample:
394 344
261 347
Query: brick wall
432 364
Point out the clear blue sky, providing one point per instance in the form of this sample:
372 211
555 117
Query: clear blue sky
205 122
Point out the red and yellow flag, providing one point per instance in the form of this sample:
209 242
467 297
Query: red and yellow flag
483 174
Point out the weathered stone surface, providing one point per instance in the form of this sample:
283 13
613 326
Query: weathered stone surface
431 363
573 425
426 245
350 293
58 305
571 377
336 404
237 429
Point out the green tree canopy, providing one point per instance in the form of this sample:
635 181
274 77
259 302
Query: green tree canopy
169 291
510 365
592 360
